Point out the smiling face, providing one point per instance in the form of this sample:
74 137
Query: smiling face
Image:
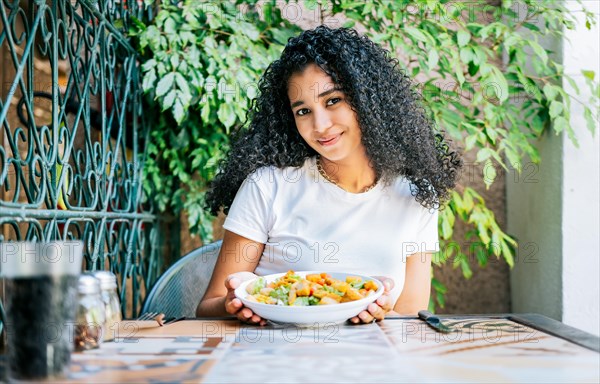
323 117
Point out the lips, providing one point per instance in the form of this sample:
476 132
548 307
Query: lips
329 140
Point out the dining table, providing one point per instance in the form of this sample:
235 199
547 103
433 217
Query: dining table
507 348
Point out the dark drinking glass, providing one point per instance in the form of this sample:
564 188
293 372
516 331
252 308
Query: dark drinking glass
40 281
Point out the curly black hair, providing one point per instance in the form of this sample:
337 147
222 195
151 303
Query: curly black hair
398 135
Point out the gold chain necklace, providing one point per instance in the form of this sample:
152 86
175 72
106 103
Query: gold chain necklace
328 178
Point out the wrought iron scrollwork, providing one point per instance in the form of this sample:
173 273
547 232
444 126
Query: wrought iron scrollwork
72 136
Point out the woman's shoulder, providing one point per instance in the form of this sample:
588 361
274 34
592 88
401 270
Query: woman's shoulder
403 191
401 186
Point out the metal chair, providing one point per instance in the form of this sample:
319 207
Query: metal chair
178 291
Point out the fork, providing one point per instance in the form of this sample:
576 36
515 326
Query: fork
148 316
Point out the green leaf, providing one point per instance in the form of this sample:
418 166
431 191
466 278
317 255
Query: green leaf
483 154
513 158
205 113
280 36
550 91
214 22
463 37
148 65
462 261
169 100
556 107
447 223
499 80
531 27
165 84
250 30
416 34
489 173
460 76
149 80
440 299
415 71
538 125
310 4
349 24
182 83
592 124
572 83
491 134
466 55
178 112
170 26
432 59
174 60
540 51
480 254
468 203
560 124
507 253
226 115
470 142
588 74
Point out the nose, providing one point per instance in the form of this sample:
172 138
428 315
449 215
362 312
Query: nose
322 121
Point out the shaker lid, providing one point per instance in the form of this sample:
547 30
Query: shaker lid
31 259
88 284
107 279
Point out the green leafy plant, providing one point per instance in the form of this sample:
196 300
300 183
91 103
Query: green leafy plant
201 64
482 71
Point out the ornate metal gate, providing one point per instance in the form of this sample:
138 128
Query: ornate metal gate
72 136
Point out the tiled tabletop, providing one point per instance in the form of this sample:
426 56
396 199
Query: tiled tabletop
396 350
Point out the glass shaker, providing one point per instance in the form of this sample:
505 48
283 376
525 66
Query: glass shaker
112 306
89 326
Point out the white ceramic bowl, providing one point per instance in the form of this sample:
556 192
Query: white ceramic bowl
315 315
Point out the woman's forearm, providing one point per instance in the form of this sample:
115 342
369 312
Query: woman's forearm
212 307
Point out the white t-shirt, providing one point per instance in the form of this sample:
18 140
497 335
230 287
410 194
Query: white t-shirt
310 224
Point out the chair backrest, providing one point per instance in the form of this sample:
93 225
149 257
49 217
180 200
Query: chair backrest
178 291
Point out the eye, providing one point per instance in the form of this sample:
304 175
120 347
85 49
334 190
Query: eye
334 100
302 112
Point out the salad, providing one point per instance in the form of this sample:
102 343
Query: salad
314 289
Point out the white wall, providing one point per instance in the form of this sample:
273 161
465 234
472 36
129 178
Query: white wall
554 211
581 188
534 217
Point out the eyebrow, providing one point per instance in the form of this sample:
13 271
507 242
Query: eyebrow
322 94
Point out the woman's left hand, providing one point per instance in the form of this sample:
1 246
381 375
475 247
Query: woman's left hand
376 311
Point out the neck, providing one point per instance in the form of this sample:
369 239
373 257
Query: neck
354 176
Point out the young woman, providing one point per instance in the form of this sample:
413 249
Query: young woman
340 170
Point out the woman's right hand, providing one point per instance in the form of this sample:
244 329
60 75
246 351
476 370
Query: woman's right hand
233 305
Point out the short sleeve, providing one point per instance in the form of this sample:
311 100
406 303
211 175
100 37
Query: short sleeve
250 213
427 235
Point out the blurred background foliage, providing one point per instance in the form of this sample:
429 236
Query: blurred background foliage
483 72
